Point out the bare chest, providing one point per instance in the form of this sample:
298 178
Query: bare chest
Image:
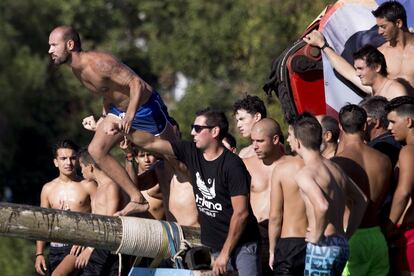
69 198
399 63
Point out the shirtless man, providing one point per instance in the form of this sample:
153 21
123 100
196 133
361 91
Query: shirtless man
150 189
330 135
287 218
247 112
398 48
134 106
106 201
368 247
66 192
265 136
401 124
325 189
369 72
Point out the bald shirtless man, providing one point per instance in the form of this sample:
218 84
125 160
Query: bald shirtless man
266 135
247 112
132 106
106 201
325 189
368 247
287 218
398 48
401 122
369 72
66 192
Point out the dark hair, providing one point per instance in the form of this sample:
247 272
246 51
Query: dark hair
308 131
85 158
252 104
69 33
64 144
403 106
375 108
352 118
329 123
372 57
231 140
215 118
391 10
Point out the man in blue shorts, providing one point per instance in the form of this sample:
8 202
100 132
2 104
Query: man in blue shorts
133 105
326 191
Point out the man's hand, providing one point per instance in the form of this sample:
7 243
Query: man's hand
271 259
312 237
112 128
40 265
83 258
76 250
126 123
315 38
220 264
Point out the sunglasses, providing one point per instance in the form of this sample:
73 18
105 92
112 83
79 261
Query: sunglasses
198 128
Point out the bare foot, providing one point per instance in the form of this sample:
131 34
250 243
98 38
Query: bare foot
133 207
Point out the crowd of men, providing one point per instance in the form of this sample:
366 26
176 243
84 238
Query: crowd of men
339 203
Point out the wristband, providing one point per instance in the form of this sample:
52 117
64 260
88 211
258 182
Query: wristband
324 45
38 254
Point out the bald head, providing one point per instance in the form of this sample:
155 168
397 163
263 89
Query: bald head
269 128
67 33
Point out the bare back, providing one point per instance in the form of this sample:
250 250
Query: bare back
371 171
108 198
332 182
294 214
260 186
399 60
104 75
70 195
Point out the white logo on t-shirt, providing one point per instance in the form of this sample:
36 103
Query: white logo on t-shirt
208 193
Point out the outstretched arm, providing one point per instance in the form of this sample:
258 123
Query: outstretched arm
316 38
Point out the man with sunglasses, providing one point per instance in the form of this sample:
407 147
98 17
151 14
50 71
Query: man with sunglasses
221 185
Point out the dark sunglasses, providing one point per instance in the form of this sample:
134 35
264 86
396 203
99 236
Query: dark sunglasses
198 128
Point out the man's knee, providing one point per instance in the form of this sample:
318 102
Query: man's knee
96 152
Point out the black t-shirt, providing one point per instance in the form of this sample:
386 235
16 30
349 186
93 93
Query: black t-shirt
214 183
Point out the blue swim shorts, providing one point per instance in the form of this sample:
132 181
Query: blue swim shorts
327 257
151 117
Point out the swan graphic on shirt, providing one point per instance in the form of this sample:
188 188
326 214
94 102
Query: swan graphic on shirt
208 193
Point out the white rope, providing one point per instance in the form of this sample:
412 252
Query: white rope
142 237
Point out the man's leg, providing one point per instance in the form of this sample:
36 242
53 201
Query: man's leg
247 259
66 266
99 149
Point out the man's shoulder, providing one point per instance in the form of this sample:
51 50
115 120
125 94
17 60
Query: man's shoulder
247 152
88 185
51 184
407 153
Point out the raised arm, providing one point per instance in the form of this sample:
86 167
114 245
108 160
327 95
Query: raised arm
275 214
316 38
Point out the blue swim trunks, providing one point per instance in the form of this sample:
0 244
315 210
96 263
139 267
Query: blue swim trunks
151 117
328 257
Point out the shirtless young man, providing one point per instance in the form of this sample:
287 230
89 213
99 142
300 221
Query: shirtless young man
398 48
330 135
287 217
325 189
134 106
67 192
368 247
247 112
152 192
266 135
106 201
401 124
369 72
